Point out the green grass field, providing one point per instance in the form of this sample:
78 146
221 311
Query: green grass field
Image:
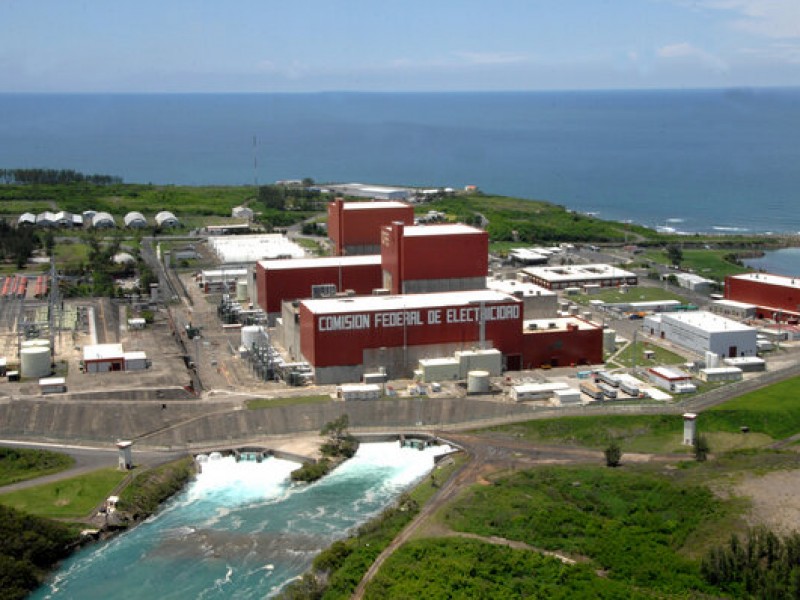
633 355
21 464
631 294
707 263
770 414
69 498
259 403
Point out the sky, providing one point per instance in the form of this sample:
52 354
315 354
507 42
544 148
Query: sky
409 45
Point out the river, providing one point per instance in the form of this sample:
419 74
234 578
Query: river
240 530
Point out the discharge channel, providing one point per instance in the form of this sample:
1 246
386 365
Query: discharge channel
240 530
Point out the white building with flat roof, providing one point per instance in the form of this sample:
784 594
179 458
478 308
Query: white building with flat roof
702 332
537 302
245 249
568 276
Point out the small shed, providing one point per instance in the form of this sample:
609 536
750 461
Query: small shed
714 374
135 361
536 391
101 358
671 379
52 385
136 323
369 391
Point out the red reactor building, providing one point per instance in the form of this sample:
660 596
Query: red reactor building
291 279
343 337
775 296
433 258
561 342
355 227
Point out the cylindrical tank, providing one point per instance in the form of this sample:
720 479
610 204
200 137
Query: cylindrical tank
250 334
477 382
36 344
35 361
241 290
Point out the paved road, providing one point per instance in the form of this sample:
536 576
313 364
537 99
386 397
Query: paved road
86 459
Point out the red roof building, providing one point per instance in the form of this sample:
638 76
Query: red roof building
355 227
775 297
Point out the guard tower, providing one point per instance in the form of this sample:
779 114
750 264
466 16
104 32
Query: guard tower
125 455
689 428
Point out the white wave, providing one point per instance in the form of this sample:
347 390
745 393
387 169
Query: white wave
733 229
675 220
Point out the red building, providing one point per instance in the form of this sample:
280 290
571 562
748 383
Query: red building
355 227
561 342
344 337
775 296
293 279
434 258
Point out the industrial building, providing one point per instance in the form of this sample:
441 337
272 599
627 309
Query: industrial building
102 358
733 309
561 342
355 227
702 332
537 302
776 297
221 280
278 281
433 258
671 379
247 249
342 338
377 192
693 282
578 276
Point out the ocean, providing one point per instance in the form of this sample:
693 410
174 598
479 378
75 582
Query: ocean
240 530
693 160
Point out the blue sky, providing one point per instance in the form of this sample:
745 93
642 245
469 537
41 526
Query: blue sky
409 45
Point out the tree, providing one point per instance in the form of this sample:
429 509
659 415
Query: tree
675 254
701 448
613 454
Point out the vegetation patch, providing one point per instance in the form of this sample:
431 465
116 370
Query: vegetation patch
633 355
710 263
260 403
339 446
148 490
633 526
68 498
21 464
774 411
631 294
448 568
30 546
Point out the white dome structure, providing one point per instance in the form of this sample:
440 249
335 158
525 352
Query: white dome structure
103 220
123 258
135 220
167 219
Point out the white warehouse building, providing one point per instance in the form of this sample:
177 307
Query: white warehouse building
702 332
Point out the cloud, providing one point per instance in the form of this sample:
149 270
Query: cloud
686 51
491 58
777 19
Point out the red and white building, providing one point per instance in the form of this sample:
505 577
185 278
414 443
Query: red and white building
775 297
561 342
278 281
355 227
344 337
568 276
434 258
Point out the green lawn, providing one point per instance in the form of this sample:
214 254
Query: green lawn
633 355
21 464
631 294
259 403
707 263
69 498
772 413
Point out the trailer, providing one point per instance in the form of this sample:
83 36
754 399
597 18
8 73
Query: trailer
591 389
630 389
607 391
607 378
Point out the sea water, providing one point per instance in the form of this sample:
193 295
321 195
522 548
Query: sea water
240 530
689 160
785 261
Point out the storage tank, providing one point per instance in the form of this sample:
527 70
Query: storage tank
712 360
250 335
478 382
35 361
36 343
241 290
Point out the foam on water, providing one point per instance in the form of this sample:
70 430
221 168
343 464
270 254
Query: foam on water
240 530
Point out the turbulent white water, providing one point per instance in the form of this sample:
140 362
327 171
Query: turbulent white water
241 530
